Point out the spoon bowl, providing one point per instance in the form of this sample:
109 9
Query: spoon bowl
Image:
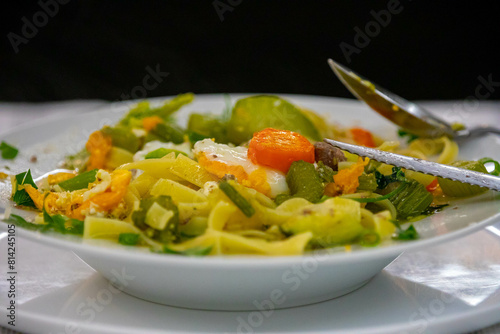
407 115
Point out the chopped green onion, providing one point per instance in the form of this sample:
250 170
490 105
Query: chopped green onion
8 151
369 238
161 152
380 198
80 181
237 198
496 170
128 239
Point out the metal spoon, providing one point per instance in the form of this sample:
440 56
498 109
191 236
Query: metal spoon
407 115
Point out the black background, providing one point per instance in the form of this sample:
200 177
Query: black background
100 49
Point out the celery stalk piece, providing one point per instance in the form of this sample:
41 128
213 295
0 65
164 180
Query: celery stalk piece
411 200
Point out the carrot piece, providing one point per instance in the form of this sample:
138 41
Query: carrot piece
362 137
98 145
432 186
278 149
149 123
346 180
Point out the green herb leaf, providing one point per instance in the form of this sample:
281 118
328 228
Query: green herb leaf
383 180
21 222
21 197
128 239
61 224
411 136
195 251
237 198
80 181
8 151
409 234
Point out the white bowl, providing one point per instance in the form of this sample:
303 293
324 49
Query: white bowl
239 282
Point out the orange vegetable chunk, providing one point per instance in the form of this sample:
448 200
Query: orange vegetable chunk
362 137
278 149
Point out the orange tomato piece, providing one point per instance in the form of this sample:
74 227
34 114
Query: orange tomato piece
347 179
98 145
278 149
432 186
149 123
362 137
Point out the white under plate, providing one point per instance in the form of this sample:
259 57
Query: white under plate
450 288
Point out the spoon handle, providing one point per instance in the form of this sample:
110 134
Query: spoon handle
476 132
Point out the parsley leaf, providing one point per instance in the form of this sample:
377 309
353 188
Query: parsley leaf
383 180
8 151
409 234
128 239
21 197
411 136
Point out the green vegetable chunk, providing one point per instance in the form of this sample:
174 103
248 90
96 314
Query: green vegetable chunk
122 137
459 189
158 217
367 182
128 239
8 151
409 234
143 109
20 196
80 181
208 126
167 133
336 221
325 172
411 199
237 198
304 181
161 152
256 113
195 251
